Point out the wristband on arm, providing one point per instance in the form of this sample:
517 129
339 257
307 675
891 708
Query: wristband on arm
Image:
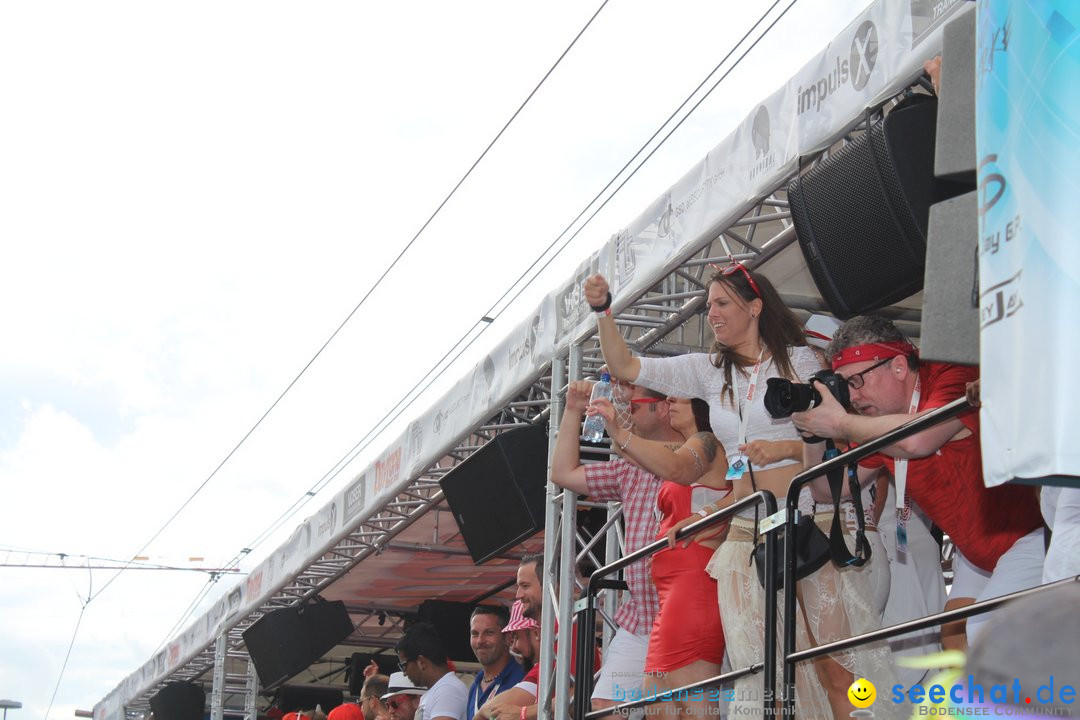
605 308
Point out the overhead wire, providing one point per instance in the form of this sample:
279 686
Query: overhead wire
485 322
368 294
487 317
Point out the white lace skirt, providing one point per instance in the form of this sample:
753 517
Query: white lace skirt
834 604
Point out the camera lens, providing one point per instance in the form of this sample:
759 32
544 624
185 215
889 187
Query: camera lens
783 397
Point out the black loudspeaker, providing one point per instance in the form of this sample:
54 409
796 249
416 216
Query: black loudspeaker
451 621
497 494
179 701
284 642
388 665
307 697
861 214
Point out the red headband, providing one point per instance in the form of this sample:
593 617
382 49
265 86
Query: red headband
872 351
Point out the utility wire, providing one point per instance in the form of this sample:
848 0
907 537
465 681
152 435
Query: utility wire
74 635
484 323
368 294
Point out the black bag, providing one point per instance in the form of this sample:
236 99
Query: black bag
812 551
813 548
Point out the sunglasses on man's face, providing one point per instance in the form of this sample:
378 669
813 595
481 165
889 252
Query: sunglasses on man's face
638 402
395 703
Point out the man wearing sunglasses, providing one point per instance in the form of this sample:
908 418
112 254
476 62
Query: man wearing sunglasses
402 697
620 481
422 657
997 531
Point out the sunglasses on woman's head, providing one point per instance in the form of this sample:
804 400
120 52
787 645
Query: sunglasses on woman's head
739 267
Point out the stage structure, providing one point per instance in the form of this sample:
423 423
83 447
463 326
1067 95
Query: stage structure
382 533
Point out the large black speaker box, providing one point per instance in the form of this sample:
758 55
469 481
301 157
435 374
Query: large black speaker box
388 665
861 214
451 621
497 494
284 642
179 701
306 697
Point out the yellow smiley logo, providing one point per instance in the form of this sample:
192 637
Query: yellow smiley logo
862 693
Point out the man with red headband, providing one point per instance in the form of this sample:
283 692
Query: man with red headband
997 531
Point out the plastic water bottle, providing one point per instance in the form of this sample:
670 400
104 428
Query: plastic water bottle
594 424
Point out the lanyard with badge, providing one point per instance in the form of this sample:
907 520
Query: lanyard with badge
737 466
482 695
900 468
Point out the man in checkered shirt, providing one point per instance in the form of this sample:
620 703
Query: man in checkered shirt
620 481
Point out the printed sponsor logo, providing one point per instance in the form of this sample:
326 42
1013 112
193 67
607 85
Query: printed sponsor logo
625 259
416 439
234 600
524 353
759 135
1000 302
855 69
388 470
354 496
327 518
254 584
927 15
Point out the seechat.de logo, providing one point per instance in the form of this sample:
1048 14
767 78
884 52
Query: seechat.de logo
862 695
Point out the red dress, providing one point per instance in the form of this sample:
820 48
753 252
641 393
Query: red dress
687 628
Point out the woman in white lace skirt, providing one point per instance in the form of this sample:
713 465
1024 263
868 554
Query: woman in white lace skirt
758 337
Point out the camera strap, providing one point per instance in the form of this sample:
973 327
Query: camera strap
838 547
900 468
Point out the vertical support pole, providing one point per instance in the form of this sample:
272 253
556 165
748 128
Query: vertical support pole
251 690
551 540
217 694
566 576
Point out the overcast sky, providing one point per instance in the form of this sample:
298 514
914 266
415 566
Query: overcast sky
193 196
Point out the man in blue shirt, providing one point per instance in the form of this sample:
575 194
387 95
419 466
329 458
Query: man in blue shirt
500 671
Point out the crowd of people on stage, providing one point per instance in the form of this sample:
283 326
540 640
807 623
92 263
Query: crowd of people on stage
692 436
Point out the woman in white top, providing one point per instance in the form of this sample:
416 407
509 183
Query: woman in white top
758 337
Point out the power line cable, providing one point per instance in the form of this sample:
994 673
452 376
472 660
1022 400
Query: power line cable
406 402
487 318
71 645
368 294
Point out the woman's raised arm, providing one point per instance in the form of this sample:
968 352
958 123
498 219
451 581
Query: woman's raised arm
621 364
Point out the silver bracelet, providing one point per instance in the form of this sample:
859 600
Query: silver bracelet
623 446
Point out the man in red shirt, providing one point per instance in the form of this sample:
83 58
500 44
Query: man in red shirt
997 531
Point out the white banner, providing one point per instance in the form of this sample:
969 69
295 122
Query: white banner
876 56
1028 145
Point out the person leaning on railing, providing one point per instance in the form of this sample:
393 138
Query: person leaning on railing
694 479
997 531
758 337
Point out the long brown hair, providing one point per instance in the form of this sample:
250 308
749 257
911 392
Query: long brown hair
778 328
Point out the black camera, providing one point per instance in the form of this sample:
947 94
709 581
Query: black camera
783 397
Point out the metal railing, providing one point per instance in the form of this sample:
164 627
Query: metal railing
838 463
586 609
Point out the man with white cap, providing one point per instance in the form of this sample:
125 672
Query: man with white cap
402 697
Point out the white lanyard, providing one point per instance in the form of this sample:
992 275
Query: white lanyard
492 691
900 464
744 417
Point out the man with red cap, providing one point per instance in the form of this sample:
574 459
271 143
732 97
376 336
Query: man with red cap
346 711
997 531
